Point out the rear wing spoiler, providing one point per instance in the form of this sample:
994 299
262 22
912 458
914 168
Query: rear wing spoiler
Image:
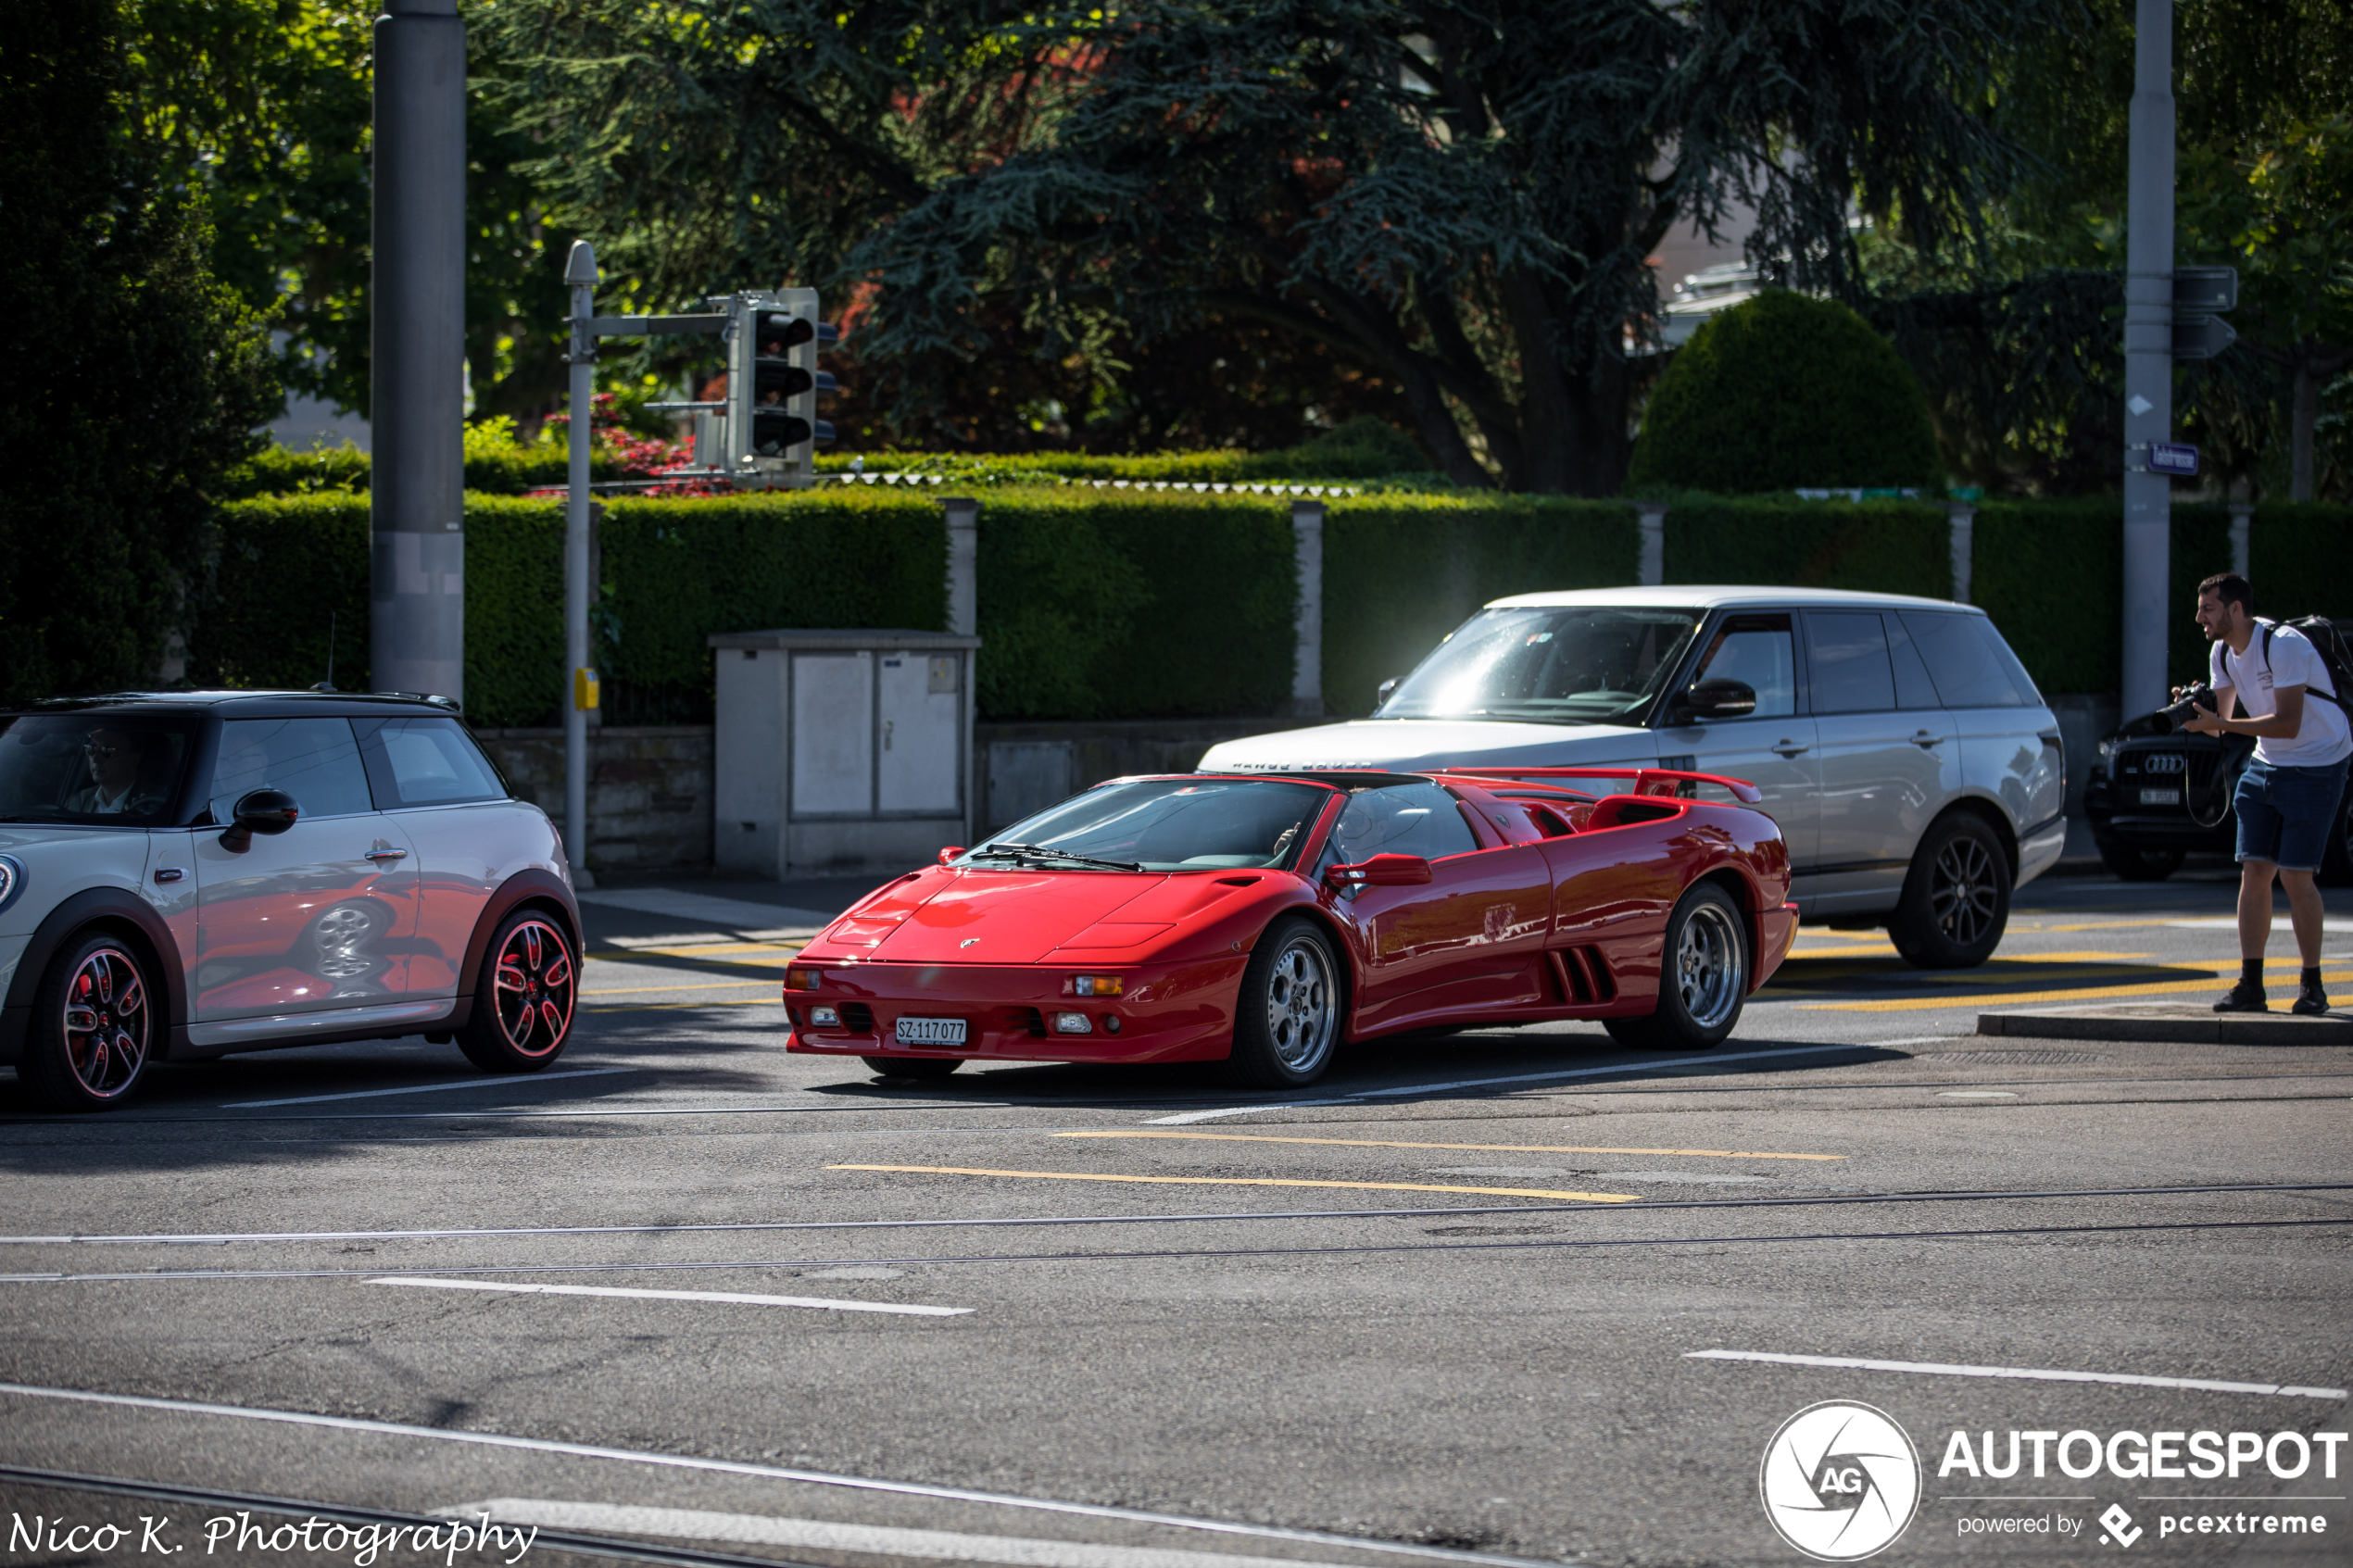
1647 781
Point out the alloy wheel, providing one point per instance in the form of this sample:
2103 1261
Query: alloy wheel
1710 965
1301 1017
534 987
107 1023
1963 894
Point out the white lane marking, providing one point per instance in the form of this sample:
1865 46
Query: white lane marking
505 1080
738 1297
762 1471
1190 1117
877 1541
2230 922
2032 1374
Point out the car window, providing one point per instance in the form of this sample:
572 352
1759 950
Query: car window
1172 824
313 760
1846 666
1402 819
106 768
1913 688
1959 651
426 762
1552 664
1760 652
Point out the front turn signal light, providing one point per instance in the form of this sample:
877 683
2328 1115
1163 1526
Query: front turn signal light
799 979
1098 985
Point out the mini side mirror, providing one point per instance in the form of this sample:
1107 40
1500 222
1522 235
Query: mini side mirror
265 811
950 853
1716 699
1382 871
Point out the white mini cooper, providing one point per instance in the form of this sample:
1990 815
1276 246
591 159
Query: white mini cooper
187 875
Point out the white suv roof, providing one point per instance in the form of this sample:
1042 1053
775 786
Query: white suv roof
1681 595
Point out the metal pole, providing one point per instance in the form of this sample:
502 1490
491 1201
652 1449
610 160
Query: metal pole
417 621
2149 358
580 271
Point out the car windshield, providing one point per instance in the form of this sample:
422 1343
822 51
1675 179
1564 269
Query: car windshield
1558 664
109 769
1166 825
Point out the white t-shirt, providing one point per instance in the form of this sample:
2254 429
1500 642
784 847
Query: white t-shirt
2293 661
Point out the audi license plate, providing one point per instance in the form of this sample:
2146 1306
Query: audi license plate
2160 798
931 1032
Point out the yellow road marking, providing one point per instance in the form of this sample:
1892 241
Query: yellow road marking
2011 998
706 986
1247 1181
1493 1147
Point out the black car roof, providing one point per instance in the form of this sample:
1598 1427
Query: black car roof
247 704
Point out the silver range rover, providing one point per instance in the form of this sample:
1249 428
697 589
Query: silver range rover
187 875
1913 767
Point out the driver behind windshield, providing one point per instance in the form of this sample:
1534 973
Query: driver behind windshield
115 759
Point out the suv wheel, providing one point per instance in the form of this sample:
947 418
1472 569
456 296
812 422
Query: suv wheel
523 997
2130 864
1957 897
92 1027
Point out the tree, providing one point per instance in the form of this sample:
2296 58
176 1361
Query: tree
1459 198
134 377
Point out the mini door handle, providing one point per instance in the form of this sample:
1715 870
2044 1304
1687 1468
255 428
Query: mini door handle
384 854
1924 740
1790 748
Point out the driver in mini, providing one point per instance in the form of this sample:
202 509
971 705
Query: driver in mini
115 758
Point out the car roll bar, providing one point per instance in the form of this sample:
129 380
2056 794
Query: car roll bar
1647 781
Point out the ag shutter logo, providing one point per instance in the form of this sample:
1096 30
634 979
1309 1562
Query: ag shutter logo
1840 1481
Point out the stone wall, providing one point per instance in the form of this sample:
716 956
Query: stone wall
649 792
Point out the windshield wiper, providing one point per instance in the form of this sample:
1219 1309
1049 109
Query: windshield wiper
1048 852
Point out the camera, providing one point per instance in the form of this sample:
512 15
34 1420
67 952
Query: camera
2195 700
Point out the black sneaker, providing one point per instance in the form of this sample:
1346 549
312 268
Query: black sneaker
2244 997
2310 1000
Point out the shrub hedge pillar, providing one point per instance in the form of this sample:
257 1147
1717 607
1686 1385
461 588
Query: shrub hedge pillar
1964 525
1650 569
963 573
1307 641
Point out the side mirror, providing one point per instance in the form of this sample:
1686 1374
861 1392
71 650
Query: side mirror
265 811
1380 695
1716 699
950 853
1382 871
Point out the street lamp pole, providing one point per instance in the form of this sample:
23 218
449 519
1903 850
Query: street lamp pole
2149 358
580 271
417 329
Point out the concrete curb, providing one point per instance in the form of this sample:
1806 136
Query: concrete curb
2171 1022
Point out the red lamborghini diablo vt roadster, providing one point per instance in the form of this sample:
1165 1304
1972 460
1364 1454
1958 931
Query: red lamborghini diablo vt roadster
1261 920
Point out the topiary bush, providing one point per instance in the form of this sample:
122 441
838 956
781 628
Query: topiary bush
1784 391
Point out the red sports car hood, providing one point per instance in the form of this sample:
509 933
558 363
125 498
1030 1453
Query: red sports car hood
991 917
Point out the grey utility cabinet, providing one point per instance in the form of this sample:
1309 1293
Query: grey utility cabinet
841 751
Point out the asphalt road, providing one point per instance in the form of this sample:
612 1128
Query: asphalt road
1450 1303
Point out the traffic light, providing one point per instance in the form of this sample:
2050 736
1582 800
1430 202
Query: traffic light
2200 295
773 386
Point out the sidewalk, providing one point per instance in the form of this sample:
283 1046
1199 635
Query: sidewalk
712 909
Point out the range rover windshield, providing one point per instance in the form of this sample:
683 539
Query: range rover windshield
1162 825
111 769
1561 664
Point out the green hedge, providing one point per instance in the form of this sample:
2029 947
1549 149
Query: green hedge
1402 572
674 571
1134 606
1879 547
2300 558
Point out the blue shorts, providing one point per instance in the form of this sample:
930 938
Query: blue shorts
2286 814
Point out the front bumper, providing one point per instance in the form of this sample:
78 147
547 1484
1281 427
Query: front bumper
2153 828
1168 1013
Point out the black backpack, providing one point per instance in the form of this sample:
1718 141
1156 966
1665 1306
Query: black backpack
2322 632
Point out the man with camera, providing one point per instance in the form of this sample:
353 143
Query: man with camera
2287 798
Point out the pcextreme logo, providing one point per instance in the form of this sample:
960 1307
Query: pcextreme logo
1840 1481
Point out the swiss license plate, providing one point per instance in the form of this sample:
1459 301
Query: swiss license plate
2160 798
931 1032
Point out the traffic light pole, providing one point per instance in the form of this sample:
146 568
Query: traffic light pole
2148 361
417 560
580 271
